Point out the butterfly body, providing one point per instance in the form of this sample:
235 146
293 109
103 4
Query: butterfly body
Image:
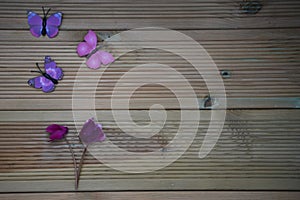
49 78
44 32
44 26
94 56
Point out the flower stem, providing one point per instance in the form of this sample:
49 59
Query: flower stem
81 163
75 164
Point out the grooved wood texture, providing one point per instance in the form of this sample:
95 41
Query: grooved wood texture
157 195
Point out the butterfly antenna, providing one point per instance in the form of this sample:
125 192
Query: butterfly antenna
43 10
40 71
48 11
37 64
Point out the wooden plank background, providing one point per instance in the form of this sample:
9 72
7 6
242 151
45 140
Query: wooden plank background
156 195
260 143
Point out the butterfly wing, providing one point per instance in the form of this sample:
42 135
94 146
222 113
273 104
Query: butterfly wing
52 69
84 48
98 58
47 85
53 22
41 82
105 57
35 82
94 61
35 23
91 39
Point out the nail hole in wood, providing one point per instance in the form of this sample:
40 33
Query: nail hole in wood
207 102
225 74
250 7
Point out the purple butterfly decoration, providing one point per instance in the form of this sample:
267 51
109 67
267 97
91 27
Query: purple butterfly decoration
49 78
42 26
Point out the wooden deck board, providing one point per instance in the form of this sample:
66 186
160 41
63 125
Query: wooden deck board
260 143
158 195
273 56
253 148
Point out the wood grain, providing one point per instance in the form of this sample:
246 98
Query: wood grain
170 14
266 68
257 148
157 195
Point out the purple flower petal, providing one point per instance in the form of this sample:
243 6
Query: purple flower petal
57 132
101 136
91 132
52 128
57 135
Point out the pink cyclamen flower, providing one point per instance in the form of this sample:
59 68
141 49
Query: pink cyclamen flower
91 132
57 132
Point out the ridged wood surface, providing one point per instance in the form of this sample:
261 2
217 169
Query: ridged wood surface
259 146
227 195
